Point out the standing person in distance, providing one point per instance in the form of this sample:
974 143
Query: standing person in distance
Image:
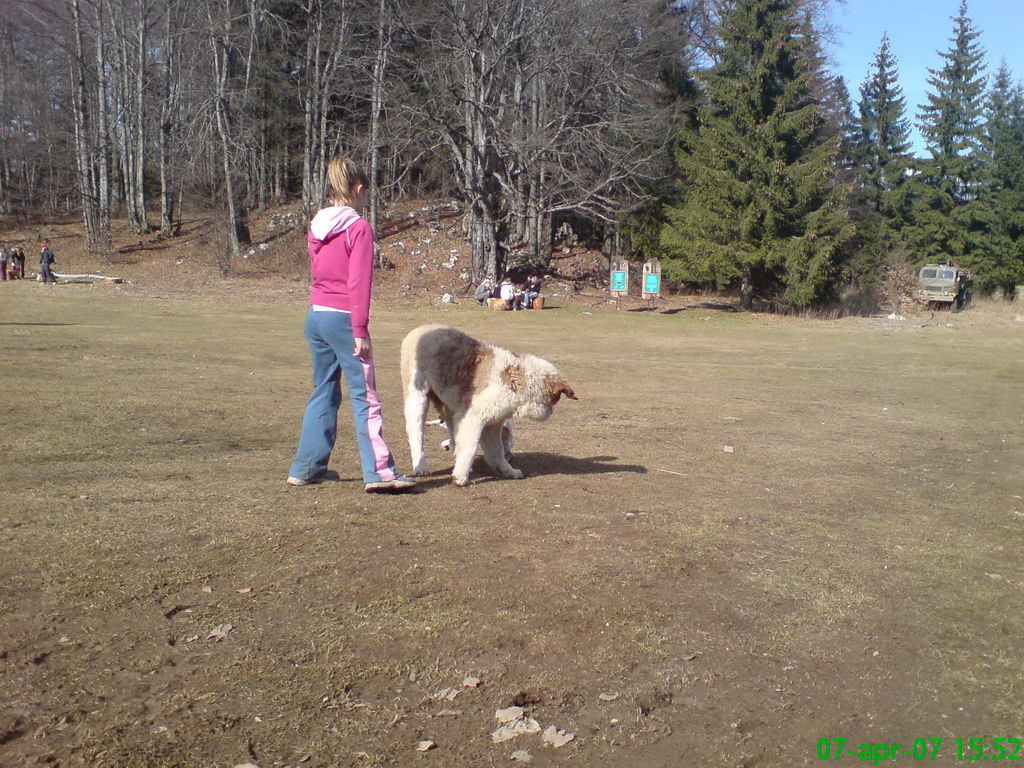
46 259
341 267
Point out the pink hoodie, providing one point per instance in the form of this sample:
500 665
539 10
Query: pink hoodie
341 264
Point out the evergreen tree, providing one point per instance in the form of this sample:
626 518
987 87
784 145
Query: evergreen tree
1003 136
881 157
951 121
758 205
829 91
957 215
883 132
1003 142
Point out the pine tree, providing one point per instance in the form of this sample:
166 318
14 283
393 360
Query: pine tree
758 205
827 90
957 215
1003 142
1003 135
951 121
883 131
881 158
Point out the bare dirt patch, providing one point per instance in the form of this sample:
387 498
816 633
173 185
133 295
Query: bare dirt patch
849 570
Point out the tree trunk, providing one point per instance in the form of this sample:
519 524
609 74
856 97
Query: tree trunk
80 108
221 50
168 104
322 59
139 180
376 115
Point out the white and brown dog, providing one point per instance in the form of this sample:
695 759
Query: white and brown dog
476 387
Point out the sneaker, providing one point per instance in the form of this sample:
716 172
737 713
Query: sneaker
320 477
399 484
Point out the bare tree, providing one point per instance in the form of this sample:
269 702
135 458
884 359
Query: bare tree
530 111
546 107
234 44
327 38
385 28
169 103
129 23
90 141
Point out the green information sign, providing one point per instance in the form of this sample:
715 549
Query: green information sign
619 281
652 279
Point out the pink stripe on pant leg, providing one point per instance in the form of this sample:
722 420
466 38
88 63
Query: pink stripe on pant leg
375 425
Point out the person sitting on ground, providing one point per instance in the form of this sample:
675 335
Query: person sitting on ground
483 291
507 292
531 290
46 259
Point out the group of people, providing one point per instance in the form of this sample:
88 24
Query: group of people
517 297
12 263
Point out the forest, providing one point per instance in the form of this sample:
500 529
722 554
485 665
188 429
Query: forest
712 134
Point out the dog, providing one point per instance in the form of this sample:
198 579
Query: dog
476 388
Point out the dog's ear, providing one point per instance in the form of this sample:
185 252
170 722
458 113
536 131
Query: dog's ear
559 387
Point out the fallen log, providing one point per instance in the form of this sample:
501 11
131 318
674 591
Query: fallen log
99 278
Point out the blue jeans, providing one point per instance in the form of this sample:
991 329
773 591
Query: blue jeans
331 343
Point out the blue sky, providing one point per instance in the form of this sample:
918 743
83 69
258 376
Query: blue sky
918 29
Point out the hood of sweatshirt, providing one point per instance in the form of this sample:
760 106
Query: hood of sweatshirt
332 221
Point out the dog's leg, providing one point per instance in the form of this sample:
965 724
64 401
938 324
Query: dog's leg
415 416
494 451
508 440
467 439
449 421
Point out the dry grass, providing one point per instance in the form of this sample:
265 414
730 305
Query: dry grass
850 570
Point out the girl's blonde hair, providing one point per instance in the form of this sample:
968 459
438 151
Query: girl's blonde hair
343 176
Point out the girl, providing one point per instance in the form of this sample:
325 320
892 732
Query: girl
341 266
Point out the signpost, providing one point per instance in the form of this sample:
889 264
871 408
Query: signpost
619 281
652 279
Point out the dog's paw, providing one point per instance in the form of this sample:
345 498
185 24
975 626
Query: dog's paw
514 474
462 482
422 469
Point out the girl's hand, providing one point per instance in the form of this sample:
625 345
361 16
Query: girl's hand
363 349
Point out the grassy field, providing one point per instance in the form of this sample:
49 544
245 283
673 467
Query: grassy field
851 569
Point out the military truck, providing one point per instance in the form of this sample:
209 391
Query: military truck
946 283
